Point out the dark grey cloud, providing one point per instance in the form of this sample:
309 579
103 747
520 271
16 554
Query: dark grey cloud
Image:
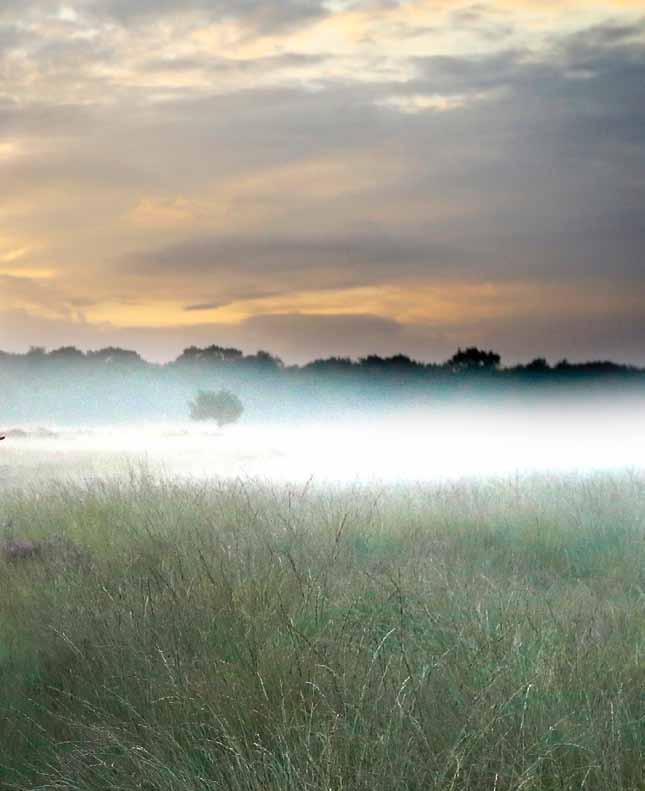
11 37
608 36
55 52
231 66
297 337
43 118
601 68
545 171
263 15
485 20
558 151
291 255
81 170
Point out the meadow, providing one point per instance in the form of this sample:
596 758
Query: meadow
168 634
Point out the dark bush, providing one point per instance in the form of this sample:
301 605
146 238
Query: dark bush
222 406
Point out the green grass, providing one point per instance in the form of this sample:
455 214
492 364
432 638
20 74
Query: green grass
243 636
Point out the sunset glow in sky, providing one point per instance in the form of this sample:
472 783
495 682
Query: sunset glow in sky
320 177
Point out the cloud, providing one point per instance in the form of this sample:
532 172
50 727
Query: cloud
222 66
290 255
261 15
302 338
203 306
265 15
11 37
158 162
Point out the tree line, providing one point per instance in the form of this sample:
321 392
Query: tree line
471 360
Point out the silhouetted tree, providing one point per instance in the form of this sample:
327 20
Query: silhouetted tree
402 361
210 354
222 406
113 354
398 365
538 365
263 361
330 364
66 354
372 361
604 367
473 359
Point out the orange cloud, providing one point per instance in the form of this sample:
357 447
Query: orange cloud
160 213
443 304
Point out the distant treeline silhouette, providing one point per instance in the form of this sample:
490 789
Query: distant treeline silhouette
464 361
67 385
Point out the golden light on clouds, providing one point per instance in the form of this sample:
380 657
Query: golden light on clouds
26 273
9 150
428 162
13 255
442 304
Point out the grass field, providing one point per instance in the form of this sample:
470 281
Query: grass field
172 635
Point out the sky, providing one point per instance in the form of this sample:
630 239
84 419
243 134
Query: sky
324 177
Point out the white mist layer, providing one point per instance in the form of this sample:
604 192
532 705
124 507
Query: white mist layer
418 446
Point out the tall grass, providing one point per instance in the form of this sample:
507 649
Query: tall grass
242 636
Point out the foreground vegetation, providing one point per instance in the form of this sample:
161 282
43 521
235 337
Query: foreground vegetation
169 635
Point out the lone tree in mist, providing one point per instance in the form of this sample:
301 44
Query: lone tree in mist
222 406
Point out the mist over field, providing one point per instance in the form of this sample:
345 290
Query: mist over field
421 444
376 419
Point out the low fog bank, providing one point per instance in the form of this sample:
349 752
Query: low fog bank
416 443
372 419
69 403
68 388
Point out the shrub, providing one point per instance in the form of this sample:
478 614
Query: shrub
222 406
